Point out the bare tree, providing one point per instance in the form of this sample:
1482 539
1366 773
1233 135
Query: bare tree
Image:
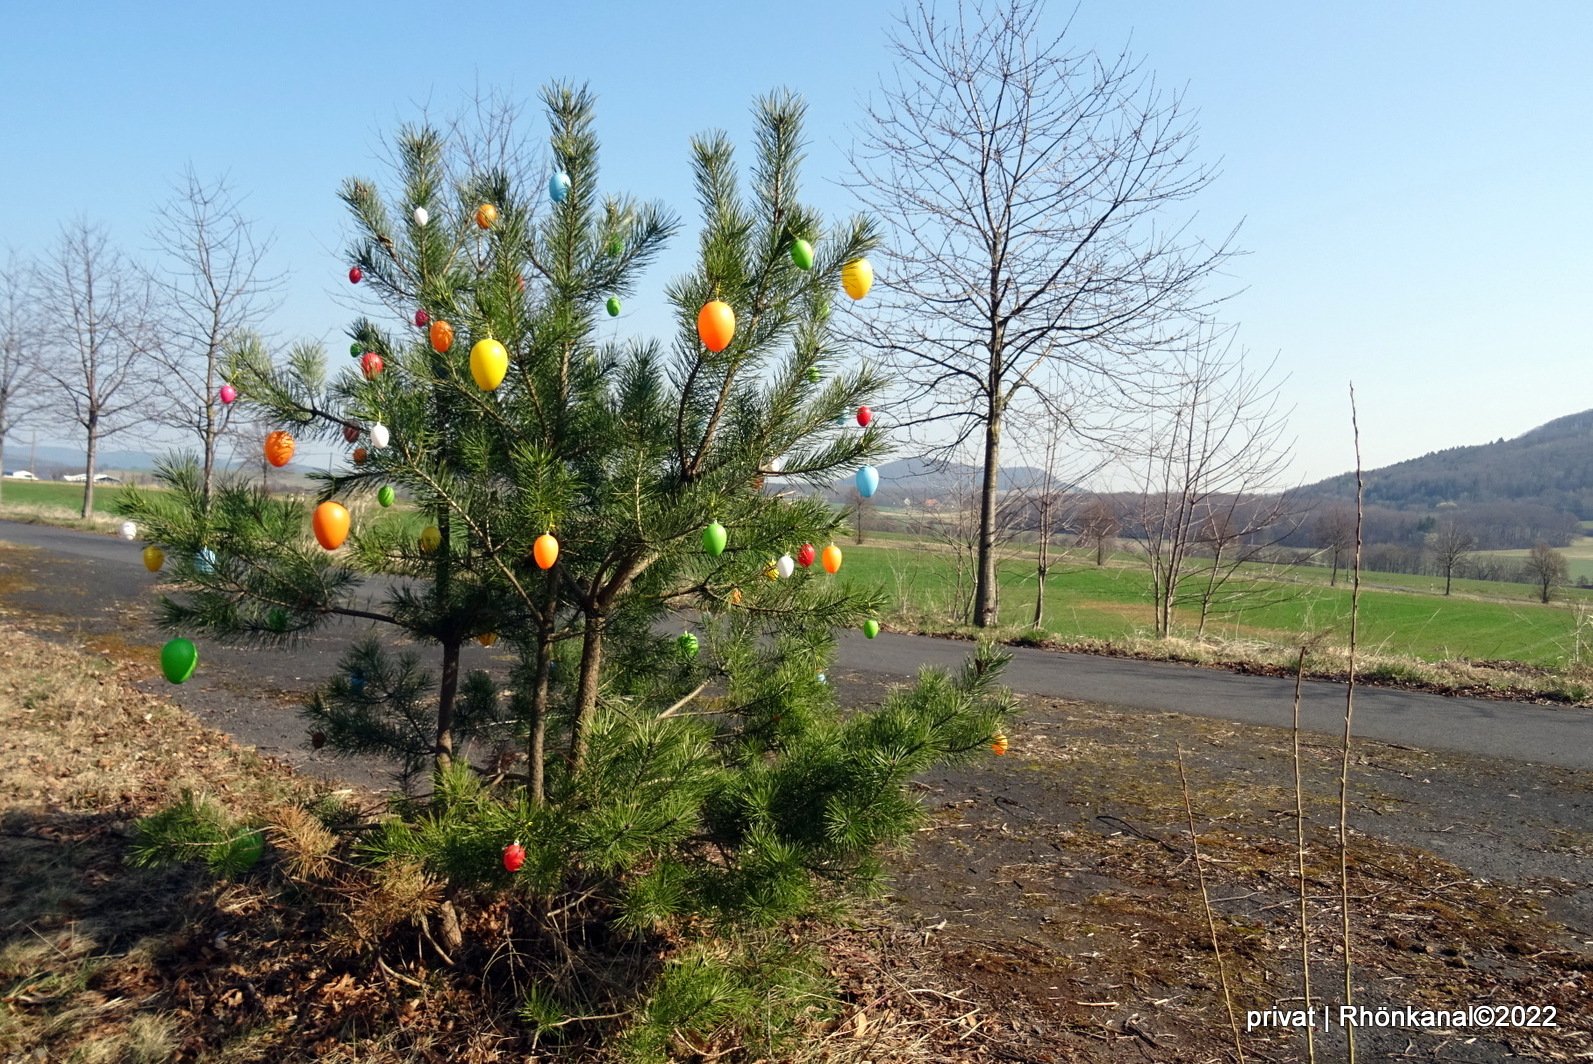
1546 569
1451 543
100 339
1209 465
1334 532
212 291
19 355
1097 524
1026 189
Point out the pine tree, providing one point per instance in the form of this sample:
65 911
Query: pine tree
684 793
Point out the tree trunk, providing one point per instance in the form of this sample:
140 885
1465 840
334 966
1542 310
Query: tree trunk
1042 562
984 611
447 693
1448 570
210 431
1333 580
2 456
586 690
88 473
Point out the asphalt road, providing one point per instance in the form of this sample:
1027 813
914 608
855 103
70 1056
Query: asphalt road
105 574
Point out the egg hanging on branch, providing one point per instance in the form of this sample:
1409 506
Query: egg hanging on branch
613 305
714 538
384 495
371 365
864 416
486 215
867 481
360 454
279 448
379 436
785 567
442 336
228 394
806 555
771 570
545 550
430 538
871 628
486 639
355 348
716 325
688 644
330 522
129 530
802 254
616 246
489 363
154 558
351 431
421 319
513 857
857 277
559 186
178 659
421 217
998 744
356 275
205 561
832 559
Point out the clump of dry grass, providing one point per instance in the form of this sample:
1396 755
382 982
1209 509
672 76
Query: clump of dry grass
59 516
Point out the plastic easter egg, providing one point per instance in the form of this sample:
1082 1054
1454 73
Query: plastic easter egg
228 394
998 744
205 561
688 644
545 550
154 558
371 365
831 559
422 319
356 275
822 678
513 856
380 436
613 305
857 277
421 216
714 538
867 481
486 639
442 336
785 566
771 570
430 538
735 596
354 349
128 530
616 246
279 448
384 495
871 628
486 215
806 555
802 254
178 659
559 186
489 362
330 523
864 416
716 325
360 454
813 375
351 431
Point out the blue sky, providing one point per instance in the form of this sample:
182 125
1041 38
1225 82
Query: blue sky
1413 178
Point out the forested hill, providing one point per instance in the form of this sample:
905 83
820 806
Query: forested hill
1551 466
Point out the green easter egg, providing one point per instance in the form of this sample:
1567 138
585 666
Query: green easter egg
384 495
871 628
688 644
616 245
277 620
613 307
802 254
813 375
355 350
178 659
714 538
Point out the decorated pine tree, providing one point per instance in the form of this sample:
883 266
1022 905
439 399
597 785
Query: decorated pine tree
618 514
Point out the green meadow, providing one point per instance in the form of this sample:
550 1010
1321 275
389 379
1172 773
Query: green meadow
1403 615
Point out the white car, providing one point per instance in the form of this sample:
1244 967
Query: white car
21 474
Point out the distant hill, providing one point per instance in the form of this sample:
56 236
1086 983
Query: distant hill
1550 466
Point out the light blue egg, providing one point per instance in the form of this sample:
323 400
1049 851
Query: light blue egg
867 481
205 561
559 186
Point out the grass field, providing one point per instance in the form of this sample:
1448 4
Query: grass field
49 493
1399 614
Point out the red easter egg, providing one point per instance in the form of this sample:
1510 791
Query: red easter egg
228 393
421 318
513 856
351 432
370 364
806 555
864 416
355 275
